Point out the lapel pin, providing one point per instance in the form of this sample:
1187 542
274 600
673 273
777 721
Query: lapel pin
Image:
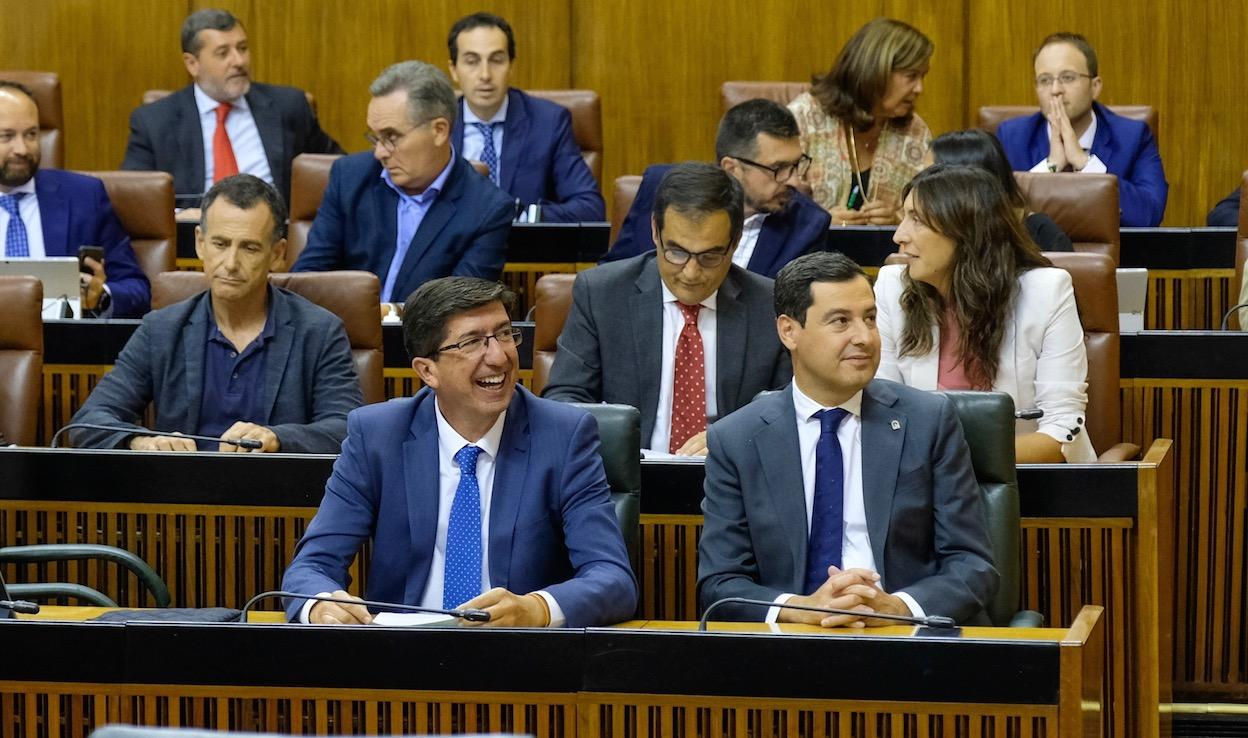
896 425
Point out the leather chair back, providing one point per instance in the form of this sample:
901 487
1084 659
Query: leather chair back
309 176
46 88
351 295
1239 288
622 201
734 93
1084 205
21 358
144 203
991 116
619 428
151 96
554 302
987 420
586 110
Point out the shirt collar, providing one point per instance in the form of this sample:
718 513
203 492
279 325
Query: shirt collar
755 221
206 104
430 192
27 186
266 333
1085 141
709 303
499 116
806 407
450 442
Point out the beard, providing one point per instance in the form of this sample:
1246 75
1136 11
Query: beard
17 170
774 205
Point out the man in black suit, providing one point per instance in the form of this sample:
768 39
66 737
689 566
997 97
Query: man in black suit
681 333
223 123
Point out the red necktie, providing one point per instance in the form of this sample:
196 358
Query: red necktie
689 385
223 163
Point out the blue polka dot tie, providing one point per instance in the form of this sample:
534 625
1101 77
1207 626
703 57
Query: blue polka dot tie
827 512
16 242
462 578
488 154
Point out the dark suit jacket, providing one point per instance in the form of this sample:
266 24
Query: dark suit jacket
541 162
1126 146
75 211
1226 212
166 136
309 377
464 232
552 525
799 228
610 348
925 516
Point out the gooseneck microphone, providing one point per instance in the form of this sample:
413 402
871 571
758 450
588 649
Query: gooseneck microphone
141 431
23 606
1226 318
929 621
471 615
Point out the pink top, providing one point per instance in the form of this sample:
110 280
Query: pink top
952 374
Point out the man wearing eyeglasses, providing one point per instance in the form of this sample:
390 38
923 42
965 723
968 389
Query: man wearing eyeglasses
410 210
758 144
1074 133
474 493
681 333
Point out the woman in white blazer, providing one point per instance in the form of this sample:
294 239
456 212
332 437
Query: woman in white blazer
976 306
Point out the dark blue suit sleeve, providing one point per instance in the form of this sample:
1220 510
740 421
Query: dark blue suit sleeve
487 254
1226 212
635 233
335 392
140 155
576 190
131 293
576 375
324 249
121 395
1142 196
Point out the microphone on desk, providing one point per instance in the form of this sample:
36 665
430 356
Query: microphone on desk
929 621
1227 317
471 615
23 606
141 431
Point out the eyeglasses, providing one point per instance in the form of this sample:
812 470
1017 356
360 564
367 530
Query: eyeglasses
475 346
1066 78
679 257
390 141
782 172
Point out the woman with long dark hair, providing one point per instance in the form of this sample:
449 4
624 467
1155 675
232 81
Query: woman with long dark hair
976 306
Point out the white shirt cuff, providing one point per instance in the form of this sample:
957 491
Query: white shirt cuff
911 603
773 613
306 610
1094 166
557 620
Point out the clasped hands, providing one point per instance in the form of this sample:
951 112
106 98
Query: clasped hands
873 212
505 608
237 432
1064 145
851 589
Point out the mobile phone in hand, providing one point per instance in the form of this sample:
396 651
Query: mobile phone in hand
95 252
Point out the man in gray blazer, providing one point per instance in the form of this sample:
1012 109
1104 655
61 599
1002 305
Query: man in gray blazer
242 360
842 490
680 333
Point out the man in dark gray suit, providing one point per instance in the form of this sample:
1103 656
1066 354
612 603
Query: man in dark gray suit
681 333
842 490
264 127
242 360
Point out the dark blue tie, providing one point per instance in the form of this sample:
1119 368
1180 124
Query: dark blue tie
462 575
488 155
827 513
16 242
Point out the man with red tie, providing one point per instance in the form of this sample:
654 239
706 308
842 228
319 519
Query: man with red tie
681 333
223 123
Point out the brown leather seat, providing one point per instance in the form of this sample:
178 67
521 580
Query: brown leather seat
144 203
309 175
554 301
151 96
586 110
46 88
21 358
622 201
1084 205
1096 295
352 296
991 116
1239 288
734 93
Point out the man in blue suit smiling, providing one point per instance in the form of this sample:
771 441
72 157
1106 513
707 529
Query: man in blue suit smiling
410 210
474 492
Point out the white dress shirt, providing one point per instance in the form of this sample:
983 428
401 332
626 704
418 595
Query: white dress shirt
28 209
673 324
474 142
749 239
1094 165
856 540
244 137
449 444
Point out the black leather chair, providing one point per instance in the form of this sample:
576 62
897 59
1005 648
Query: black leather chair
988 423
40 555
619 427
